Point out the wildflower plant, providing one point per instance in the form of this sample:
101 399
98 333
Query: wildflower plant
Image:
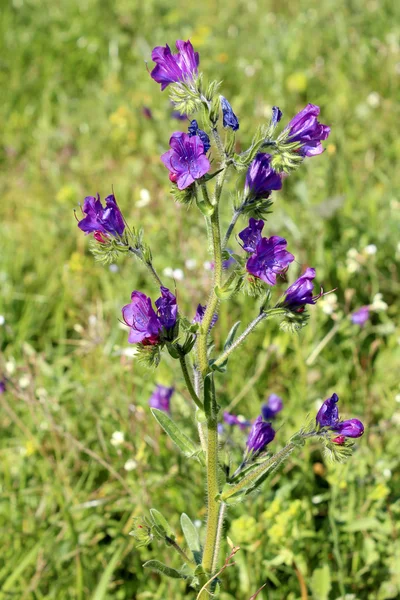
199 161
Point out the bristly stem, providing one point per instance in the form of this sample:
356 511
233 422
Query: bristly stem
263 315
188 381
149 265
212 491
220 528
177 547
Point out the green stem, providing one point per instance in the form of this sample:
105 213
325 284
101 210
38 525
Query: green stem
149 265
182 553
263 468
231 227
188 381
263 315
220 528
218 141
212 491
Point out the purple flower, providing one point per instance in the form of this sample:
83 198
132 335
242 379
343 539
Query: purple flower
3 386
229 119
193 129
106 221
251 235
328 416
228 262
147 112
171 68
269 259
305 129
161 398
139 315
261 179
273 406
233 420
198 317
276 115
178 116
167 308
186 160
360 316
301 292
261 434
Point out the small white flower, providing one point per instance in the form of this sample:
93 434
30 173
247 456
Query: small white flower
374 99
129 351
2 320
114 268
168 272
145 198
190 263
208 265
387 473
130 465
10 366
178 274
197 523
352 253
24 381
378 304
371 249
117 438
328 304
397 398
92 320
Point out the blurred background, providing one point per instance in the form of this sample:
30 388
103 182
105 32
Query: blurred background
80 456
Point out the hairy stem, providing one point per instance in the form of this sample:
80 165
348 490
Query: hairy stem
177 547
149 265
188 381
212 491
220 528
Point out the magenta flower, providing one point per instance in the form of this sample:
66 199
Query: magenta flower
251 235
306 129
328 417
269 259
261 434
103 221
234 420
301 292
167 308
261 179
360 316
172 68
161 398
139 315
272 407
186 160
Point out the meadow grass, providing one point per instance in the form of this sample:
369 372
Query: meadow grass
74 84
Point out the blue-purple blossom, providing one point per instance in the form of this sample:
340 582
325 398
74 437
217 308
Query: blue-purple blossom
261 434
172 68
186 160
101 220
161 398
235 420
198 317
272 407
167 308
193 129
3 386
305 129
261 178
178 116
269 259
251 235
229 119
360 316
301 292
139 315
276 115
228 262
328 416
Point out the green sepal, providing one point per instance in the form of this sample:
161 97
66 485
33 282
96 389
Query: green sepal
173 351
192 538
231 287
180 439
161 525
156 565
229 142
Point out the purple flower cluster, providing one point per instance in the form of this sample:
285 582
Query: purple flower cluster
161 398
102 221
300 292
145 324
272 407
174 68
328 418
306 129
261 434
251 235
360 316
186 161
193 129
261 178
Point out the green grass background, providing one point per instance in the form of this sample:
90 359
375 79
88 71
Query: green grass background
73 85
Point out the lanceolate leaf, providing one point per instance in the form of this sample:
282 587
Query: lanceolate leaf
185 444
192 537
156 565
161 524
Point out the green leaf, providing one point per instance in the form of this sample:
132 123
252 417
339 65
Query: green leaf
228 343
185 444
156 565
210 401
321 583
101 590
192 537
161 524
